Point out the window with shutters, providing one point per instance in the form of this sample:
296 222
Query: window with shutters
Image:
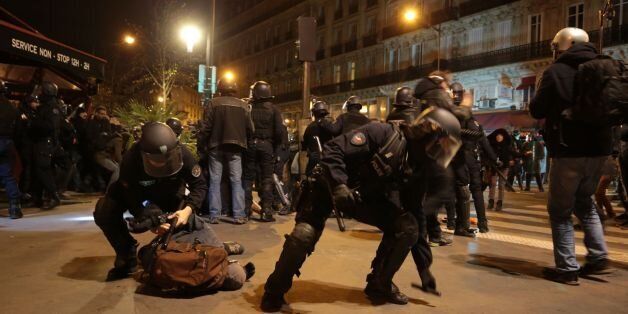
474 40
351 70
575 15
621 13
503 34
535 28
416 54
337 74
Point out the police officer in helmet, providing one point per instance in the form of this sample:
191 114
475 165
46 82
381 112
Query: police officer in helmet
45 129
155 171
349 120
176 125
363 173
261 148
316 135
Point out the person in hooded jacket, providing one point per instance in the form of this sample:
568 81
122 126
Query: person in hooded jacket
578 153
501 143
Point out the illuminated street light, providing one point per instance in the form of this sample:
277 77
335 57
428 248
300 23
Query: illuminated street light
229 76
410 15
190 35
160 99
129 39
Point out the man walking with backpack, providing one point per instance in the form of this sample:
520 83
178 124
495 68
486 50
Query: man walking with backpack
578 149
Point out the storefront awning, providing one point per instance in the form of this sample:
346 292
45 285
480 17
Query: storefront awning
32 48
527 82
518 119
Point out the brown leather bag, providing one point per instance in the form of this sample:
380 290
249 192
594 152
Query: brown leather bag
188 266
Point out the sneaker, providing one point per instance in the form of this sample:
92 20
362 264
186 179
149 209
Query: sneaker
214 220
483 227
239 221
440 242
597 268
568 278
465 233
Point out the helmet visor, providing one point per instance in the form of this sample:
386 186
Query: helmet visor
163 165
443 149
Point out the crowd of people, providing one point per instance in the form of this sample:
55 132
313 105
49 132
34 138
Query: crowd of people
429 154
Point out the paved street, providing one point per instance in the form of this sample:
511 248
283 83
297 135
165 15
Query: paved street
55 262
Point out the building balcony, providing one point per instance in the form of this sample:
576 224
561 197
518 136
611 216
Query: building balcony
276 41
290 35
351 45
369 40
320 54
336 49
320 21
371 3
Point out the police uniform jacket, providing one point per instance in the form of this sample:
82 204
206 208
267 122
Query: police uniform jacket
134 186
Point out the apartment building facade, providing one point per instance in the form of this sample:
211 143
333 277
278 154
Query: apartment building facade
496 48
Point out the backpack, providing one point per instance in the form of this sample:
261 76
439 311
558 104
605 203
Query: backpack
601 92
186 267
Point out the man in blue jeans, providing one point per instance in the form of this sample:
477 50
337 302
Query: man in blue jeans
8 119
577 155
223 136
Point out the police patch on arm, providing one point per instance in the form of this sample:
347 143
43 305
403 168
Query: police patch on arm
358 139
196 171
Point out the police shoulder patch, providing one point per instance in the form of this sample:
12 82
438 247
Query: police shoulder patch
358 139
196 171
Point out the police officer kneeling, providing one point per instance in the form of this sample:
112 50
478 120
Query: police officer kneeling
156 170
363 173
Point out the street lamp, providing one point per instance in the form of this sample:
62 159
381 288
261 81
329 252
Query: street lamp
410 15
160 99
129 39
229 76
190 35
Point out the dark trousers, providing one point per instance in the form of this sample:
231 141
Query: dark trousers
475 187
259 154
46 153
108 215
6 171
400 232
515 173
461 182
439 193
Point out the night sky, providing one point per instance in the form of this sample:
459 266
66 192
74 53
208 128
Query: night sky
93 26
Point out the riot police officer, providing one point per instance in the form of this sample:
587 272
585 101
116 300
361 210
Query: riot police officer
156 170
176 125
349 120
474 140
45 128
371 162
9 117
260 151
314 131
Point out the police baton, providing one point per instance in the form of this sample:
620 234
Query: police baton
339 220
501 175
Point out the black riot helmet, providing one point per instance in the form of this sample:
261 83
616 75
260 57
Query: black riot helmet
226 87
403 97
260 91
49 89
176 125
457 90
160 149
438 130
320 109
426 84
353 103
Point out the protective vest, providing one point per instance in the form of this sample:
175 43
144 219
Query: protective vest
262 116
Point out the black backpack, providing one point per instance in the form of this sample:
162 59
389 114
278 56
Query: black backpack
601 92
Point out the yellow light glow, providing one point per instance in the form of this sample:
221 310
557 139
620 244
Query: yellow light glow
190 35
160 99
286 121
129 39
229 76
410 15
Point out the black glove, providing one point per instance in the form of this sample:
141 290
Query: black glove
343 197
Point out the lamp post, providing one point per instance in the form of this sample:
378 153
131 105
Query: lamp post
190 34
410 16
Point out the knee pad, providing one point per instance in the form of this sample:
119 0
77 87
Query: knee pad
305 234
406 229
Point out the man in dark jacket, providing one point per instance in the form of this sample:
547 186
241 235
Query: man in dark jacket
349 120
9 117
320 111
577 153
100 132
224 134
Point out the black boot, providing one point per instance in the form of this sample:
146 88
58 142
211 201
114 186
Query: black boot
267 215
376 291
483 226
124 265
272 303
54 202
465 233
491 203
498 207
15 209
